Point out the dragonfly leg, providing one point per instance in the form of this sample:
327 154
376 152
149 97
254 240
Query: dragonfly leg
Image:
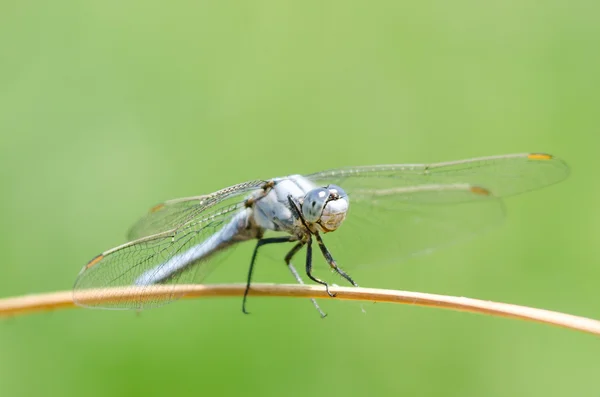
309 268
260 243
331 261
288 261
295 207
266 189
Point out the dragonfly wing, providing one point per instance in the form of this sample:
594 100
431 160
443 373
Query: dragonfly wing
503 176
138 274
174 213
398 211
413 221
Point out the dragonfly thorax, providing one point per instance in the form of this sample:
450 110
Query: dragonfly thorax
326 207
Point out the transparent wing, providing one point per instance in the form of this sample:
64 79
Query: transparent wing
109 280
412 221
397 211
503 176
174 213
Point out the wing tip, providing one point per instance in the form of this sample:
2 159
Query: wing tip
540 156
556 162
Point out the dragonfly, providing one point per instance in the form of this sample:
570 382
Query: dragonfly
389 211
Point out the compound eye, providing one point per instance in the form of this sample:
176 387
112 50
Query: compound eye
313 204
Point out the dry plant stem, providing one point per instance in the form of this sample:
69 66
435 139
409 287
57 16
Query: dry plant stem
64 299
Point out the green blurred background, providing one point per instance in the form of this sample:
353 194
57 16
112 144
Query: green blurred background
107 108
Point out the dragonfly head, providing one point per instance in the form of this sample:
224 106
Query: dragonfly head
326 207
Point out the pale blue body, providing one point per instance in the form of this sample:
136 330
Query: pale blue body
271 212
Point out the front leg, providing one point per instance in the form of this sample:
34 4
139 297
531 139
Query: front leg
309 267
295 207
331 261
